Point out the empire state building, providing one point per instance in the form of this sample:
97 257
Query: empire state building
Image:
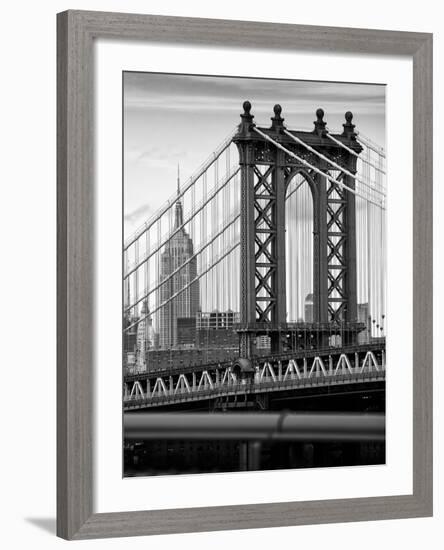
178 268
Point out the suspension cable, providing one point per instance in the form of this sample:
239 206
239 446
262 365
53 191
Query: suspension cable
317 170
366 141
178 229
129 271
181 266
185 287
379 169
206 165
332 162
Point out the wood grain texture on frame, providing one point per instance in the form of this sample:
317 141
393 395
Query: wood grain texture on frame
76 31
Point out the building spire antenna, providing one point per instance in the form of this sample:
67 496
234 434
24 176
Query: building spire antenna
178 180
179 211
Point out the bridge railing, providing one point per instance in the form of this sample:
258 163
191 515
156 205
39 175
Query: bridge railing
254 426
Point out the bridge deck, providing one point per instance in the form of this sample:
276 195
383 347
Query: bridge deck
263 386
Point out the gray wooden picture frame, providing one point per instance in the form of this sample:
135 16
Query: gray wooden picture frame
76 32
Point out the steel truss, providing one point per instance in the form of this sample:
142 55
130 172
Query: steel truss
267 375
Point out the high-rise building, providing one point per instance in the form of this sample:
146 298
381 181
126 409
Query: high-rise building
145 336
217 319
186 332
363 317
129 324
178 268
308 309
216 329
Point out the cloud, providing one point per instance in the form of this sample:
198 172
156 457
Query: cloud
164 154
294 105
186 93
137 213
159 155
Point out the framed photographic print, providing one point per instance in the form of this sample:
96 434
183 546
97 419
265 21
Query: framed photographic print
244 274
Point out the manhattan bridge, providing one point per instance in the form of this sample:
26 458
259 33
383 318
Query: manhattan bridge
261 281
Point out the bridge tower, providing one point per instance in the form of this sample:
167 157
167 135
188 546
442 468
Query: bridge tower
269 159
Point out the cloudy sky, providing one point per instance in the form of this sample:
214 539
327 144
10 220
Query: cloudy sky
171 119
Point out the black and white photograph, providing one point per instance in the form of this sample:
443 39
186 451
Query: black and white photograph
254 321
222 275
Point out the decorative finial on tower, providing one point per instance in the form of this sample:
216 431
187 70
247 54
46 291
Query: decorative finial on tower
246 117
349 128
277 121
319 123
